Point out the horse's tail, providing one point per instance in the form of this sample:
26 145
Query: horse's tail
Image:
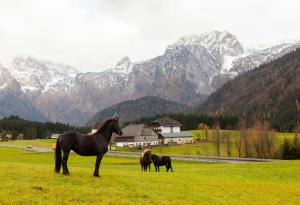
58 158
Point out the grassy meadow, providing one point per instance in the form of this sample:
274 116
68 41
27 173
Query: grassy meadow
28 178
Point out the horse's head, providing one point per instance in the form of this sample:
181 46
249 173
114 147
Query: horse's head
115 126
153 157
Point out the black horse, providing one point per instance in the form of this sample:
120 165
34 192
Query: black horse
161 161
145 160
95 144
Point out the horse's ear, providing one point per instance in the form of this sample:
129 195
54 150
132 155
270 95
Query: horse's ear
116 119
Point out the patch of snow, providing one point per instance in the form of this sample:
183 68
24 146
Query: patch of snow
3 86
227 63
29 88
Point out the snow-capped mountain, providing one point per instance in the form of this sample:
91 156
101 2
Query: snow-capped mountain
188 71
39 75
13 101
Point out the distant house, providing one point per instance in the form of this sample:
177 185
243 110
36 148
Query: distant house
136 135
169 131
5 137
54 136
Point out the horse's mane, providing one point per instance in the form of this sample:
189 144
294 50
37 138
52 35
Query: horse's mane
104 126
146 152
154 156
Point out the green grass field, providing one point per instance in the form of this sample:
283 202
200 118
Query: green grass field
43 143
28 178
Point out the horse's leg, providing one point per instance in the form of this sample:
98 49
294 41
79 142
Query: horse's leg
97 165
167 167
158 168
65 162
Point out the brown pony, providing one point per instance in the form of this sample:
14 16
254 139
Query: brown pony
145 160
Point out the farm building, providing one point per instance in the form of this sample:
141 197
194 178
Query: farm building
136 135
176 138
169 131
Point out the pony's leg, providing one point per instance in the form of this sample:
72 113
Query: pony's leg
97 165
149 167
167 167
65 162
158 168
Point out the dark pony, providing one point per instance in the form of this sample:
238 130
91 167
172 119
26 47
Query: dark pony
145 160
95 144
161 161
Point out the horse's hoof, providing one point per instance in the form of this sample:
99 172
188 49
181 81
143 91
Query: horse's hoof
66 174
96 175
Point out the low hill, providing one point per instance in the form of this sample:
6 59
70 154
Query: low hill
270 92
135 109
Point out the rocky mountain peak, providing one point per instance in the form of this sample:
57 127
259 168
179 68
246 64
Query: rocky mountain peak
216 41
124 66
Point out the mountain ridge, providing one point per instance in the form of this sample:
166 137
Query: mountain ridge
269 92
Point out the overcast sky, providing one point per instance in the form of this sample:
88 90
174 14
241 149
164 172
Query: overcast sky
93 35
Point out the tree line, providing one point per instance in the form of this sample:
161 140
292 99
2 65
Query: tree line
191 121
17 127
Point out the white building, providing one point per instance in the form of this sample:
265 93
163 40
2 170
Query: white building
55 136
169 131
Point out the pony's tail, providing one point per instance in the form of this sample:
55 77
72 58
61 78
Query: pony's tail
170 165
57 157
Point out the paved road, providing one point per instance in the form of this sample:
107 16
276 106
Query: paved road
232 160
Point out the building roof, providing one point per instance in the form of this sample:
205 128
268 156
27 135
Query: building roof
136 130
167 121
139 132
177 134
